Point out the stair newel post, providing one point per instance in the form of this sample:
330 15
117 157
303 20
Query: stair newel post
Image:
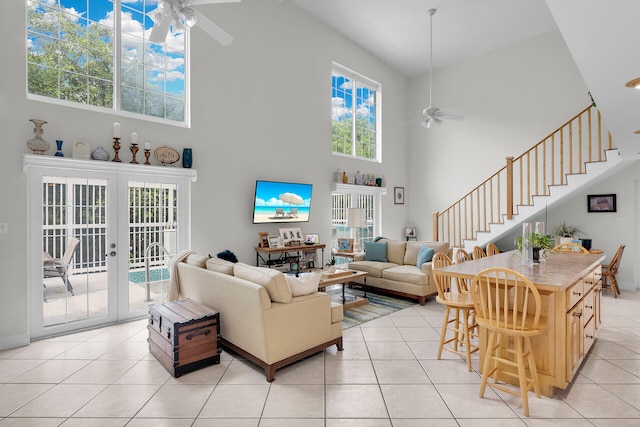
509 170
435 227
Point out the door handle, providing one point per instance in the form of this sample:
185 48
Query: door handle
112 253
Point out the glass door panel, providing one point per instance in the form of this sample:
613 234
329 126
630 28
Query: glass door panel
75 270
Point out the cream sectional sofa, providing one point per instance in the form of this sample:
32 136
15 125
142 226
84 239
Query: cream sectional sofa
397 272
260 319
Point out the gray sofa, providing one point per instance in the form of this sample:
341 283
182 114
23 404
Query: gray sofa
397 272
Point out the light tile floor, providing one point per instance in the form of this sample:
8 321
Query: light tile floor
387 375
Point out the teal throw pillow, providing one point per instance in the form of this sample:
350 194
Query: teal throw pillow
375 251
425 254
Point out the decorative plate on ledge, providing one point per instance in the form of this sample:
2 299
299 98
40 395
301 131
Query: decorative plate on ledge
166 155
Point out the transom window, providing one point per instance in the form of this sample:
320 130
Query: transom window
96 53
355 112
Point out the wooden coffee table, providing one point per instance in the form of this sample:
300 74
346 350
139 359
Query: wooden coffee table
346 278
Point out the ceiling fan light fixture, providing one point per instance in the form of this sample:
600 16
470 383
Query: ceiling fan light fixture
635 83
188 15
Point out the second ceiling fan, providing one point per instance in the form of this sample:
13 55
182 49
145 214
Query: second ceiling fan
180 13
431 114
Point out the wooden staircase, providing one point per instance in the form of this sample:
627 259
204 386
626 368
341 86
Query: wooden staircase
565 160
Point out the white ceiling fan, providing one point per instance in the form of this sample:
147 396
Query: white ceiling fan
431 114
178 13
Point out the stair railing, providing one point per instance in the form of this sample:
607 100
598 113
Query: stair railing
563 152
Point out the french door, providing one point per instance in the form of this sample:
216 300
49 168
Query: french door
100 243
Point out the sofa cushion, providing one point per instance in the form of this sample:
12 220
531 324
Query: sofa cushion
407 274
272 280
395 251
304 284
374 268
425 254
197 260
375 251
220 265
411 253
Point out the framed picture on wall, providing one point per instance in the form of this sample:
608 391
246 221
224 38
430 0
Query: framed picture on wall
398 195
601 203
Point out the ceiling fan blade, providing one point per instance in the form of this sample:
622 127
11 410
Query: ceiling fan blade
451 116
213 29
199 2
411 121
160 30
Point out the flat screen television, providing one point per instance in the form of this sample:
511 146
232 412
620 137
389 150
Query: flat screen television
278 202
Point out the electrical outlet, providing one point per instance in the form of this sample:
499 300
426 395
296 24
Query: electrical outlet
4 228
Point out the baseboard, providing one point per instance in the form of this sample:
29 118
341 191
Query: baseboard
14 341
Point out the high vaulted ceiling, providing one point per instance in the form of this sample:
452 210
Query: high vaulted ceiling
601 36
397 31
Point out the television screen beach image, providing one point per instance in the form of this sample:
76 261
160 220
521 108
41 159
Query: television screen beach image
278 202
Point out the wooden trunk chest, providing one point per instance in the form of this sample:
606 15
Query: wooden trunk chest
184 335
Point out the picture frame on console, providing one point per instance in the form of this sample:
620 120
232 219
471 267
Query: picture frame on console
290 235
345 245
274 242
263 239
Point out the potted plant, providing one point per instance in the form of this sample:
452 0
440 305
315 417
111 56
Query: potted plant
331 265
539 243
566 232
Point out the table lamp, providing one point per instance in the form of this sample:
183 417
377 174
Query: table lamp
356 219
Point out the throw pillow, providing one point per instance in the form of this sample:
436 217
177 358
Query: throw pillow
304 284
375 251
425 254
220 265
272 280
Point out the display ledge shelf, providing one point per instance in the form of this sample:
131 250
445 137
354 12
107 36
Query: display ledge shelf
362 189
35 160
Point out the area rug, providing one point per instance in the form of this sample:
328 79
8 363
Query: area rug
379 305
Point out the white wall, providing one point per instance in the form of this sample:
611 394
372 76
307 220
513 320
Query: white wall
511 97
261 110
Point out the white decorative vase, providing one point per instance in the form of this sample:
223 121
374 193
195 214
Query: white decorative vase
38 145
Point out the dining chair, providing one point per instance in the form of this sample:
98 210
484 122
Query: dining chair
459 303
610 270
59 267
462 256
492 249
569 248
508 307
478 252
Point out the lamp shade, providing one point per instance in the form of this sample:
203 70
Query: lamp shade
355 218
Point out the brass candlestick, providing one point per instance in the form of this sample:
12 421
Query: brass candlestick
147 153
134 150
116 147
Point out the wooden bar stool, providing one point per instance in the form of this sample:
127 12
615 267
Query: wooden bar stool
492 249
508 306
462 256
569 248
610 270
478 252
462 324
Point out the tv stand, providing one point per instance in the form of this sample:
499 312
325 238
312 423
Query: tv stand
279 257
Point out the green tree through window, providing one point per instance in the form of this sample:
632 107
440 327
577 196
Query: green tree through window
354 96
71 57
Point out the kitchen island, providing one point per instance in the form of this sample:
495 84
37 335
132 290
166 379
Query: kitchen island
570 286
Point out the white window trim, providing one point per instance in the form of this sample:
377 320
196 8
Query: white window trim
354 190
355 76
116 109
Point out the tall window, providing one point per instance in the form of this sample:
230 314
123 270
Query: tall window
96 53
355 112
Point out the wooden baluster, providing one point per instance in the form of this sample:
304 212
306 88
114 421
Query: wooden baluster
509 206
590 132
